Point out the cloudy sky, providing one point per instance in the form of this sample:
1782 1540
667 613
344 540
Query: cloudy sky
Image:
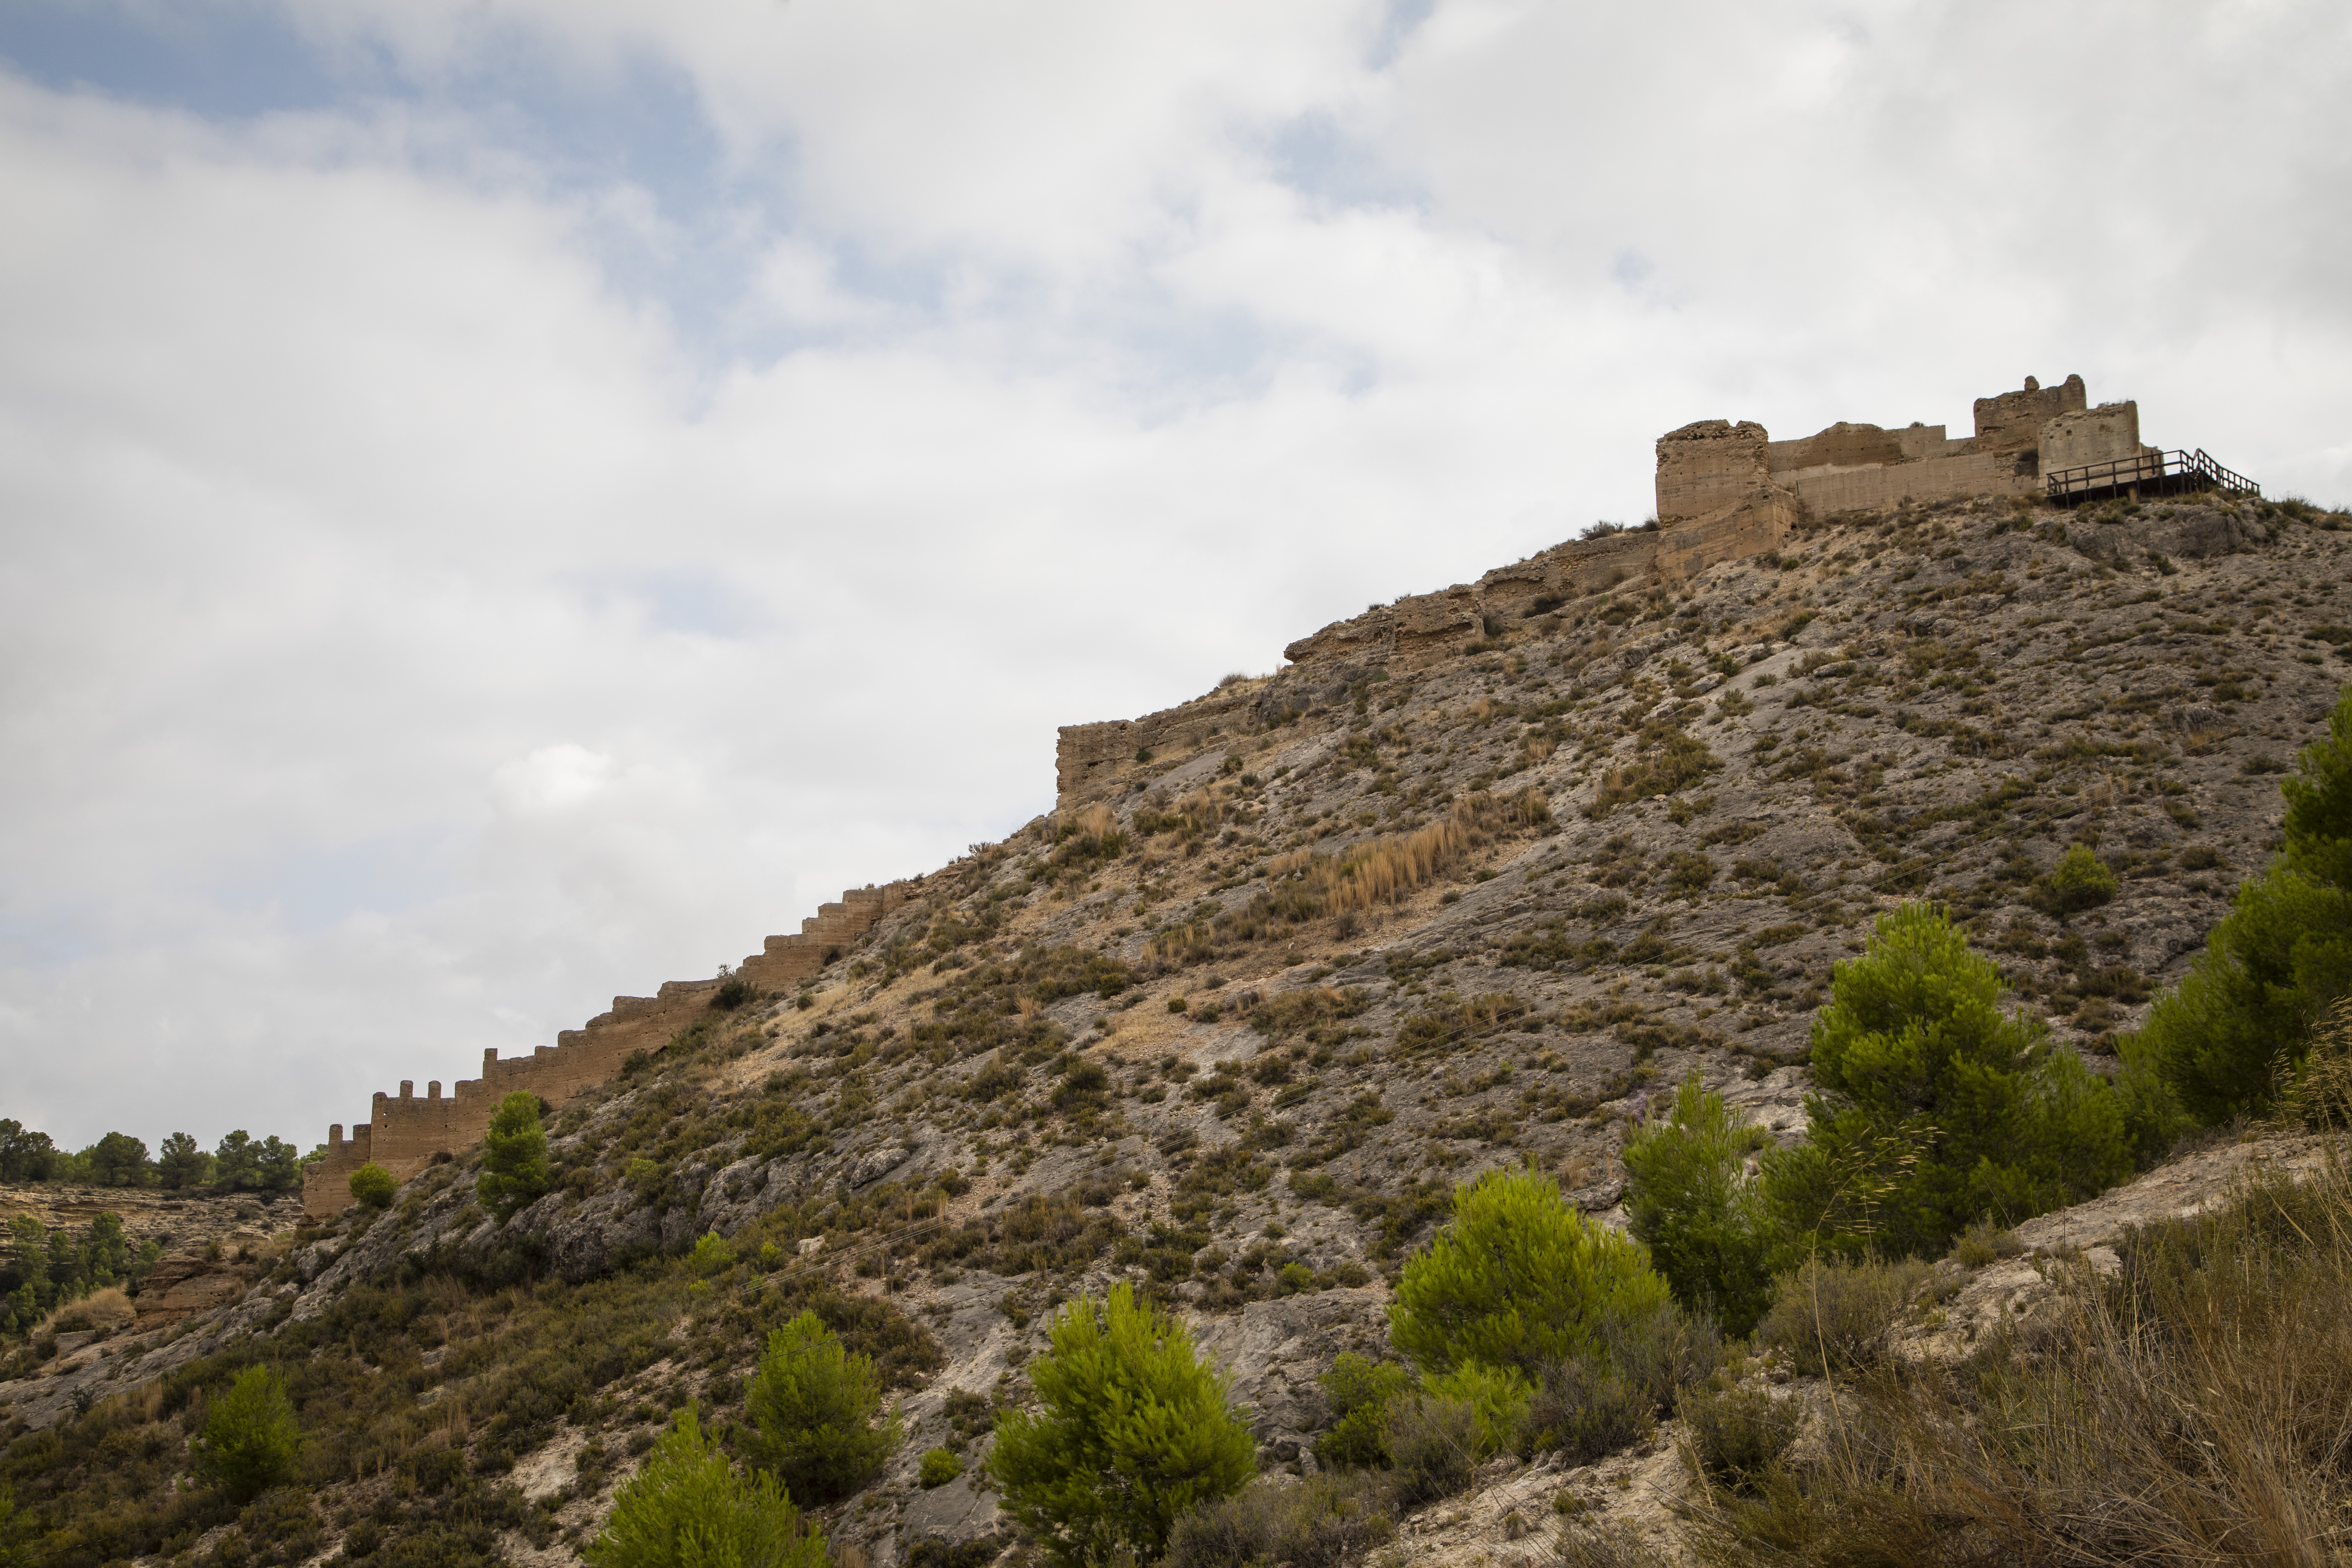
508 501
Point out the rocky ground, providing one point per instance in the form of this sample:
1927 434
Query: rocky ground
1164 1035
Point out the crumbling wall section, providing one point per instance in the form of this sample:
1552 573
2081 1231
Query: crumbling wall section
2012 421
1959 477
403 1133
1088 758
1867 468
1423 627
2103 435
1708 466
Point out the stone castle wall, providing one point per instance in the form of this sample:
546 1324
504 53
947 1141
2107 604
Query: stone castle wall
404 1131
1725 490
1423 627
1705 467
1708 468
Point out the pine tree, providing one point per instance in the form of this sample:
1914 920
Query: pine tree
250 1439
1689 1200
372 1186
814 1404
514 1157
1517 1280
1934 1108
1134 1432
687 1508
2241 1019
118 1160
181 1164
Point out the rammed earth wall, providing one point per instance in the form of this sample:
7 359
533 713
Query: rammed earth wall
404 1132
1421 628
1706 467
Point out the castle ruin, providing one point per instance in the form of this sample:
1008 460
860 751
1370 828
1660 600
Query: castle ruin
1725 491
2021 439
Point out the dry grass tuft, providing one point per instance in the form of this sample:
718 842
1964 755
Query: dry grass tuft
2194 1408
2319 1096
107 1309
1391 869
1202 809
1095 822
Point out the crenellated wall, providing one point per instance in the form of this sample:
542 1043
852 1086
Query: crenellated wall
404 1132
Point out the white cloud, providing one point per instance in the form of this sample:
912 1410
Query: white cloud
420 618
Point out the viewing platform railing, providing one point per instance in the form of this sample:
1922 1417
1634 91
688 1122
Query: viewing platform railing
2147 474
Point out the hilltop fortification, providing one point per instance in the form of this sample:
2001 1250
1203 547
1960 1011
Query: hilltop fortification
1725 492
405 1133
1708 468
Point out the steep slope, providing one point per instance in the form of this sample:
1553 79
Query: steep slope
1236 1016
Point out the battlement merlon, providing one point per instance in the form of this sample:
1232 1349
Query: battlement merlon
407 1132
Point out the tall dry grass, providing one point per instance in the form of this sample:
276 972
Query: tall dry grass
1391 869
1095 822
2195 1408
2317 1094
108 1309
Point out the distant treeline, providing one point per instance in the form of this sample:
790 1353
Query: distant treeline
240 1163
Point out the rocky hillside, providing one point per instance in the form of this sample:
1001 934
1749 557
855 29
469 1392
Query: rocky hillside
1237 1025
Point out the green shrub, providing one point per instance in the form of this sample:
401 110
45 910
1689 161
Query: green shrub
733 991
1432 1443
372 1186
1599 1404
1689 1200
2239 1024
1518 1279
1133 1430
1981 1243
687 1508
1833 1316
1934 1108
712 1255
1455 1422
514 1157
1740 1434
1498 1397
249 1440
1325 1522
940 1465
813 1405
2077 883
1360 1390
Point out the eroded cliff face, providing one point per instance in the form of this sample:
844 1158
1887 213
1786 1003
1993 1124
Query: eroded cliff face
1463 886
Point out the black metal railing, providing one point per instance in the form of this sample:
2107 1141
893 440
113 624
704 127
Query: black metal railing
2145 474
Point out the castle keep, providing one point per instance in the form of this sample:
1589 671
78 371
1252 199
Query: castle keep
403 1133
